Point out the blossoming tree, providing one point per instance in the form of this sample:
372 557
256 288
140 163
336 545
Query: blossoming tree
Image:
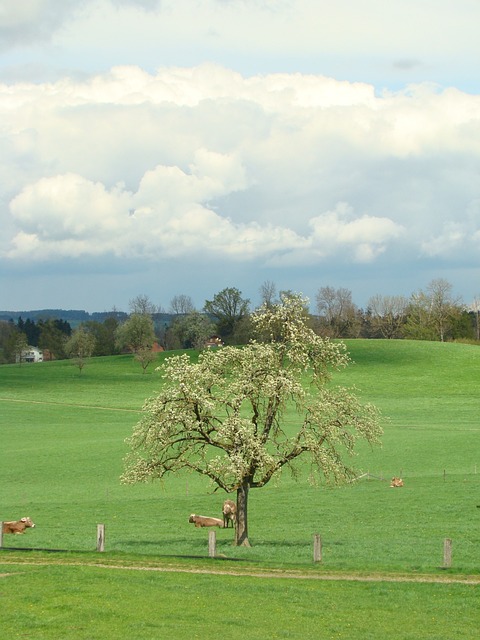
224 416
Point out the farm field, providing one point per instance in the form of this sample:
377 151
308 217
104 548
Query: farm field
62 436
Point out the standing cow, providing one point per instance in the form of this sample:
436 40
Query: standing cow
229 513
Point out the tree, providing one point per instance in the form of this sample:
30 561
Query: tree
475 310
224 416
136 333
8 332
142 305
268 293
53 335
338 314
227 309
192 330
182 305
388 314
32 332
80 347
432 313
104 334
145 356
19 345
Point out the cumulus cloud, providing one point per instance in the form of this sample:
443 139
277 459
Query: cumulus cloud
361 239
275 170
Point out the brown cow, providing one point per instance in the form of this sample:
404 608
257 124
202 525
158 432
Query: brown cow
396 482
229 513
17 526
205 521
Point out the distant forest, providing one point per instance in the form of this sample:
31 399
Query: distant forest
73 316
432 314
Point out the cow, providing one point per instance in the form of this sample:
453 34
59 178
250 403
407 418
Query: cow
396 482
229 511
17 526
205 521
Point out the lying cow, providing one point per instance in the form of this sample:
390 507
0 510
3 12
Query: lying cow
229 513
396 482
205 521
17 526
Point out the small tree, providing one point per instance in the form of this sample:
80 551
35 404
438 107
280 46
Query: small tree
432 313
337 313
268 293
19 345
8 333
136 333
182 305
80 347
145 356
388 314
224 416
475 310
142 305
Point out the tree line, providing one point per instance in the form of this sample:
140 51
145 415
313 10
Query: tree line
431 314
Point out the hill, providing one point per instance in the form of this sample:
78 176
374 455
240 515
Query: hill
63 444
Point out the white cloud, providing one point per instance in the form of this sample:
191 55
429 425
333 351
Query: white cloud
68 215
361 239
189 160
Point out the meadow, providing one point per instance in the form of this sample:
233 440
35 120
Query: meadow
62 436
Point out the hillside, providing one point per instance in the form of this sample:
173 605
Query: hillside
68 429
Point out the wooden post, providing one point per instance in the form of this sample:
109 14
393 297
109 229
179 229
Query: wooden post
212 544
1 535
100 537
317 548
447 553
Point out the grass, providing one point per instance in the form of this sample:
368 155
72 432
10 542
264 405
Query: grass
62 436
91 602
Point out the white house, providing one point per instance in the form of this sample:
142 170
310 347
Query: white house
32 354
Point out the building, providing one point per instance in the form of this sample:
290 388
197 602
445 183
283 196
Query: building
31 354
213 342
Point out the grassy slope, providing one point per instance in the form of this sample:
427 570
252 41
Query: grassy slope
70 454
60 464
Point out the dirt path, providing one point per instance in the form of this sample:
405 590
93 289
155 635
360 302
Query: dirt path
268 573
69 404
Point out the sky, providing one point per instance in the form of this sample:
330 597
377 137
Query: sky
167 147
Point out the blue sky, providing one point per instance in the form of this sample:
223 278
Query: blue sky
183 146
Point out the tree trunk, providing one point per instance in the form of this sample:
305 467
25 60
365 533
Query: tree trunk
241 531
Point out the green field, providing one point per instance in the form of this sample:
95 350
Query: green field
62 444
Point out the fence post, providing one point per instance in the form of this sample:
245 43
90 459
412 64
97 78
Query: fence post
317 548
1 535
212 544
100 537
447 553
